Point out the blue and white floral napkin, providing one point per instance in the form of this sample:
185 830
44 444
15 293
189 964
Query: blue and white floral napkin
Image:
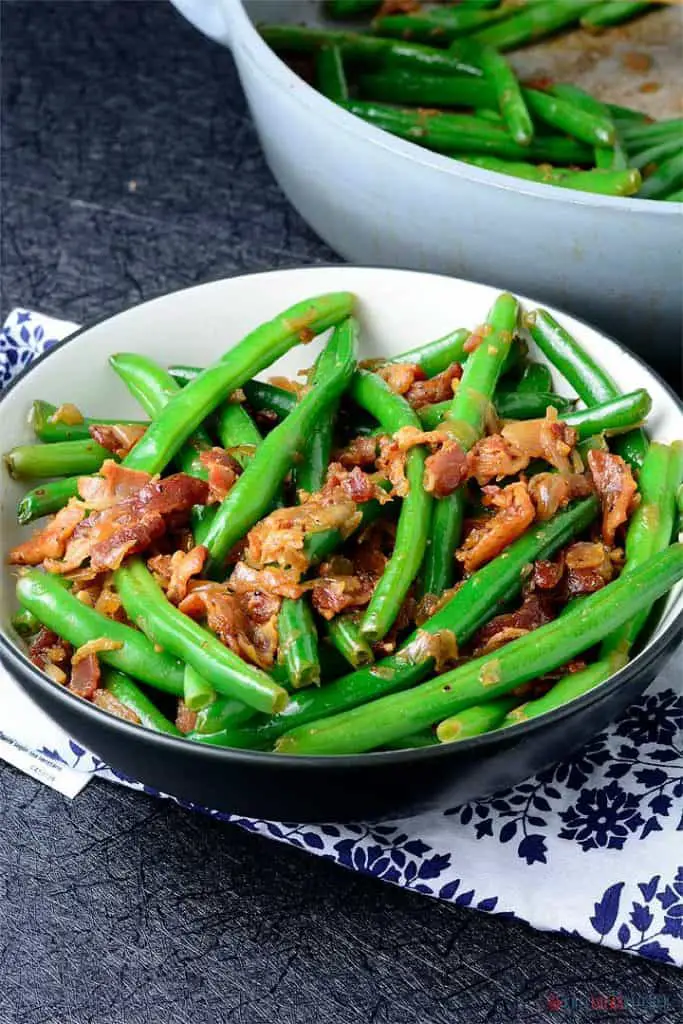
591 847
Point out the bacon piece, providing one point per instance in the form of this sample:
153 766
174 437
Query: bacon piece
476 337
534 611
95 646
114 484
437 389
51 541
400 377
185 719
108 702
294 387
361 451
547 575
398 7
223 472
67 413
552 491
391 463
445 469
85 676
548 439
227 616
493 458
175 571
442 646
131 526
588 568
119 438
48 651
339 587
616 488
271 580
515 514
109 604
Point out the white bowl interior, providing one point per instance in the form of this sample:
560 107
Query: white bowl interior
398 309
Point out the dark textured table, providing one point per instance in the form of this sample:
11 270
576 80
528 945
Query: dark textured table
129 167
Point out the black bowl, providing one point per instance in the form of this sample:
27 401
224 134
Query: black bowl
317 789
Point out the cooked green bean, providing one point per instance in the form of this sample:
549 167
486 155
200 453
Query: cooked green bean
46 499
131 696
476 720
602 182
25 623
591 383
298 643
350 8
330 74
533 22
146 606
654 154
252 495
571 686
185 411
223 712
397 85
493 675
636 135
59 610
425 738
198 693
465 420
608 158
480 597
439 25
674 197
462 133
570 118
614 12
536 380
62 458
236 429
344 633
49 431
511 100
666 178
393 412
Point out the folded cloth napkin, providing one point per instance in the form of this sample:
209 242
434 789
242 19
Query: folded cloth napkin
590 847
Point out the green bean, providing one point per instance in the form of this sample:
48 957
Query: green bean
571 686
185 411
614 12
253 493
475 721
317 546
198 693
567 117
609 158
667 177
436 356
602 182
465 420
228 674
591 383
493 675
298 647
393 412
678 528
400 86
350 8
462 133
440 25
533 22
510 405
25 623
654 154
639 134
617 417
331 78
223 712
511 101
59 610
674 197
627 115
343 632
46 499
425 738
132 697
236 429
536 380
373 48
28 461
49 431
480 597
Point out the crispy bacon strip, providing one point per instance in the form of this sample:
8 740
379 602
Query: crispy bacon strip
548 439
437 389
588 568
175 571
493 458
227 616
616 487
271 580
51 541
515 514
185 719
49 652
534 611
445 469
400 377
85 676
223 472
108 702
552 491
118 438
114 484
361 451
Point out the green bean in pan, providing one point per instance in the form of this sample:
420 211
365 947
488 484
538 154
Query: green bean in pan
146 606
655 154
609 158
350 8
197 692
602 15
591 383
252 495
571 686
597 181
493 675
674 197
330 76
510 99
396 85
392 412
46 499
131 696
59 610
344 634
48 430
480 597
462 133
535 380
236 429
370 48
425 738
29 461
466 419
188 409
533 22
476 720
25 623
298 643
224 712
666 178
510 405
570 118
439 25
637 135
